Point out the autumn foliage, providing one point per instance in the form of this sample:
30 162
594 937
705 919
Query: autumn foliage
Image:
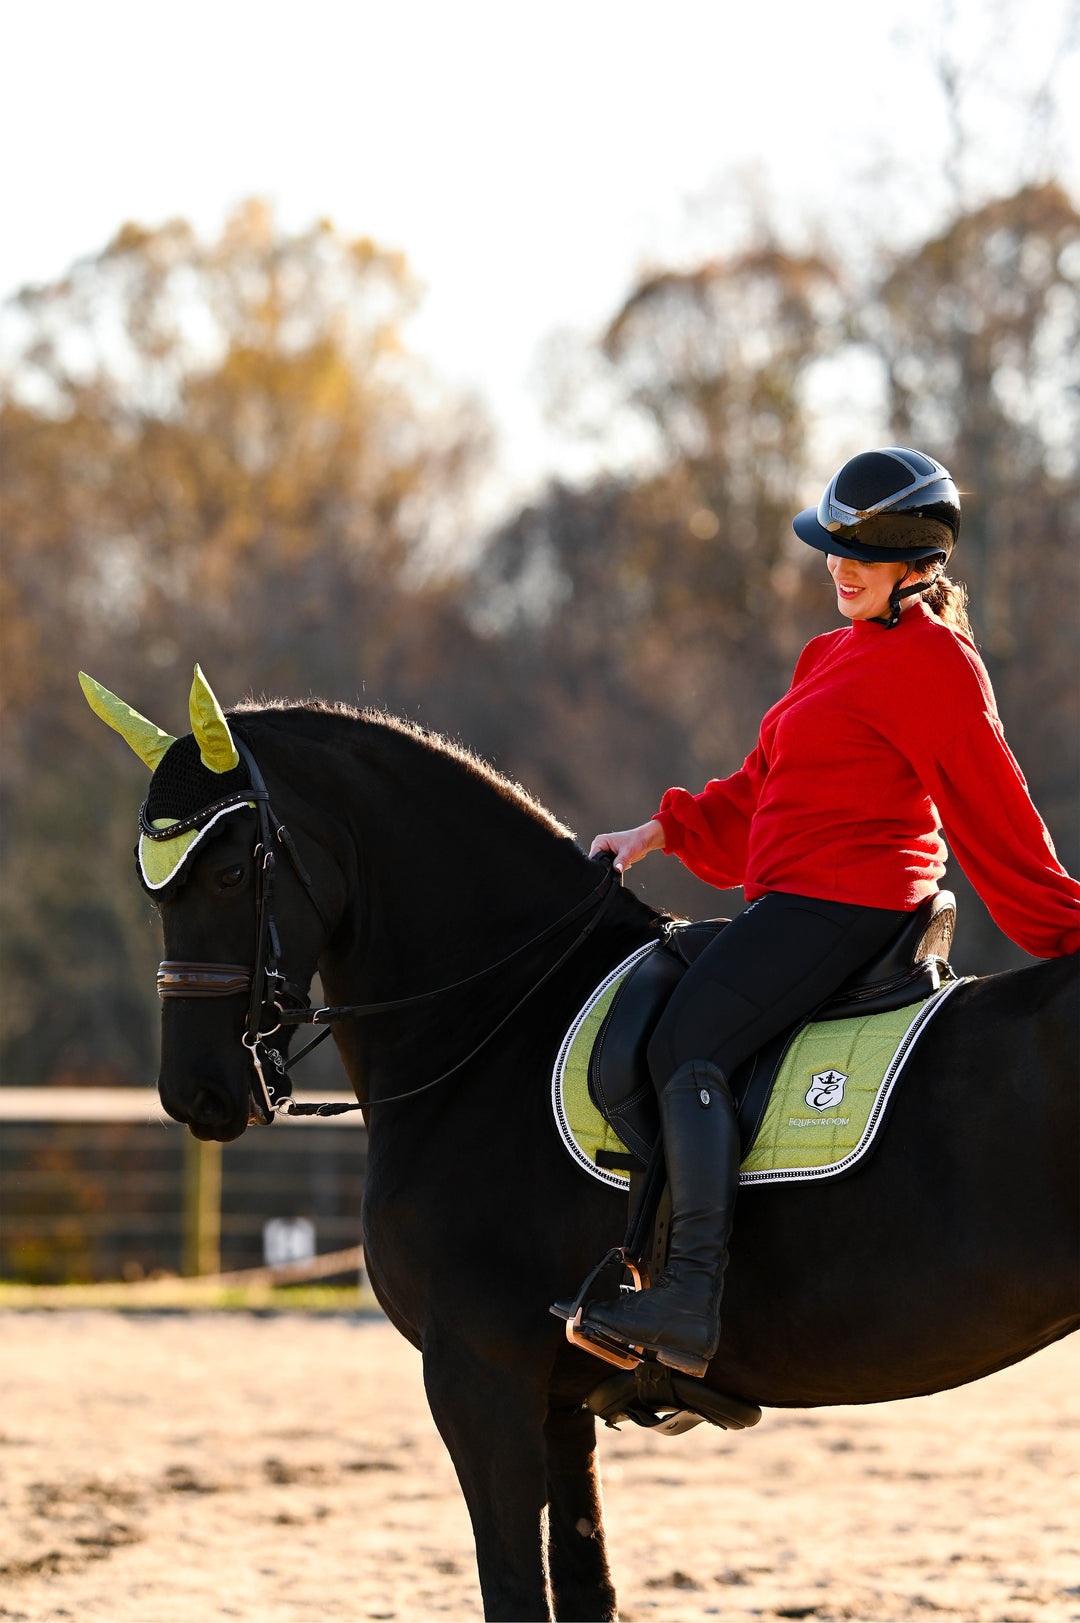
225 452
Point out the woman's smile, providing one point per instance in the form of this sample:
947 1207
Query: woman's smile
862 589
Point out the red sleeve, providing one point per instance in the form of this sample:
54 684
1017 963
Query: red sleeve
710 832
1000 840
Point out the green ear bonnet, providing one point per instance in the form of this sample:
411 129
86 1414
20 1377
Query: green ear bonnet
184 792
197 779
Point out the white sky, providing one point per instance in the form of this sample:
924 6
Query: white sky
526 157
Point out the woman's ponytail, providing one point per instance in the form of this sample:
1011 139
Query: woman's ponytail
948 600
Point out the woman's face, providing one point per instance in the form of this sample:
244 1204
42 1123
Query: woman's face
862 590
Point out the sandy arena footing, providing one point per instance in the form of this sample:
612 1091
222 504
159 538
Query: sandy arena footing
185 1468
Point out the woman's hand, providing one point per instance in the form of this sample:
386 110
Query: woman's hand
630 844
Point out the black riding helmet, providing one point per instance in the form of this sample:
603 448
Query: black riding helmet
894 505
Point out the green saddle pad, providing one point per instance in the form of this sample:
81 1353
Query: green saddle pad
826 1104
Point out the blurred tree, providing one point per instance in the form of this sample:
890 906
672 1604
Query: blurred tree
655 618
225 452
220 452
979 331
204 435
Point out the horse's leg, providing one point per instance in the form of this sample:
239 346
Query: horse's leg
581 1586
491 1418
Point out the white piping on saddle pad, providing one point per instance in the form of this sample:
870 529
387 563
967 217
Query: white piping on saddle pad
615 1180
904 1050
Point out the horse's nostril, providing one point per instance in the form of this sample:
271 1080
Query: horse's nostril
205 1104
209 1107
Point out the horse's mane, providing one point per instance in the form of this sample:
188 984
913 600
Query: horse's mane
435 744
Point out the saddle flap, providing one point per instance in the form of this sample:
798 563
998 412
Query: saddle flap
619 1083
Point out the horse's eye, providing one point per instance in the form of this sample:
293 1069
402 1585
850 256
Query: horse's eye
228 877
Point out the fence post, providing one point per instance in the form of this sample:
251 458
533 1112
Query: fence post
202 1206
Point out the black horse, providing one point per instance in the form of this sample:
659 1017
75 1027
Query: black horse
951 1253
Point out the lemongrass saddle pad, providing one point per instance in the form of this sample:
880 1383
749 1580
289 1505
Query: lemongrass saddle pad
824 1111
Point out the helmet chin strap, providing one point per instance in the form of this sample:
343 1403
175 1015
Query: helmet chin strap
898 593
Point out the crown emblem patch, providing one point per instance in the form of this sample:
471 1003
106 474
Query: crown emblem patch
826 1090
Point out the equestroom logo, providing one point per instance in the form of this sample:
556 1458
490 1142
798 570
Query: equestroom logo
826 1089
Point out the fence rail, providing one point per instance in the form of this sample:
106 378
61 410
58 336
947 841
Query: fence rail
96 1183
243 1287
138 1105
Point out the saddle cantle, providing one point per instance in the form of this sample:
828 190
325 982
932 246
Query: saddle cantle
913 965
909 969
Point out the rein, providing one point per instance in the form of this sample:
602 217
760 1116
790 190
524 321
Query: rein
266 985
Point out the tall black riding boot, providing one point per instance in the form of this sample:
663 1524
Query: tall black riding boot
679 1318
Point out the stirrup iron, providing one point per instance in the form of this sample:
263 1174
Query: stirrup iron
620 1354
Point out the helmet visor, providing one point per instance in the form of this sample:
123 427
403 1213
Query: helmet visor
885 538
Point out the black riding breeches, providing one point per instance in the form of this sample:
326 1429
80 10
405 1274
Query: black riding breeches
772 966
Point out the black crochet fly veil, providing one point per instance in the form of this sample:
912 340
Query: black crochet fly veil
182 786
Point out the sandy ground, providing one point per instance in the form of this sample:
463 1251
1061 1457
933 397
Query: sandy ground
195 1467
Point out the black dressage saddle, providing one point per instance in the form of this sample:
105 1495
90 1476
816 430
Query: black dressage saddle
914 964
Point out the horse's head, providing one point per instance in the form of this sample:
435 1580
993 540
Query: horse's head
346 875
242 939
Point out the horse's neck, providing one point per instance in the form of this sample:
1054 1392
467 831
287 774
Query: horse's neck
445 873
445 877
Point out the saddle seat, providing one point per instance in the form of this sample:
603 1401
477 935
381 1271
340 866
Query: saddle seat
910 968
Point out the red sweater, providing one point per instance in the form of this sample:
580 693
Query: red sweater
883 738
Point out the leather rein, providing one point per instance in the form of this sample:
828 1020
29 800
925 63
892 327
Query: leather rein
274 1001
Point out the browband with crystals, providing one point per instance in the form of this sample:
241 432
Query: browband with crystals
239 797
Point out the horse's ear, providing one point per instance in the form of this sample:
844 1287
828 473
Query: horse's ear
148 741
211 729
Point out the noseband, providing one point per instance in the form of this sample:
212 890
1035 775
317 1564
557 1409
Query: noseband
273 1001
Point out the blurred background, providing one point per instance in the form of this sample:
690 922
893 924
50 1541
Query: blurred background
471 362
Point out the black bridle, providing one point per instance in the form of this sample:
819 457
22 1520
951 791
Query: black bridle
274 1001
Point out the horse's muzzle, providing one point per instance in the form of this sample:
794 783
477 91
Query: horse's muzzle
207 1111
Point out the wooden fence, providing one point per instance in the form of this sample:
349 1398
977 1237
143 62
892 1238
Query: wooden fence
98 1183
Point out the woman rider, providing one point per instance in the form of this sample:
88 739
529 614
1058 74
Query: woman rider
888 731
